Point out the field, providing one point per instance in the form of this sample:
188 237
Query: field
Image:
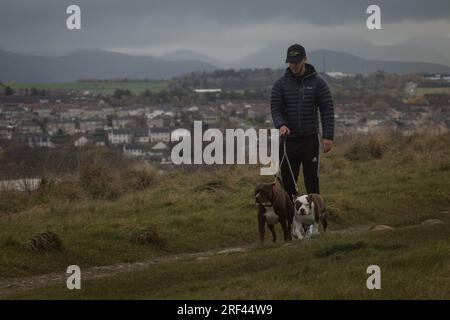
164 240
423 91
96 87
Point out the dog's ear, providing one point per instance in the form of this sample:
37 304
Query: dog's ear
311 201
297 205
273 190
274 185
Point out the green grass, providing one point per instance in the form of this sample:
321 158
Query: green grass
423 91
96 87
332 267
199 211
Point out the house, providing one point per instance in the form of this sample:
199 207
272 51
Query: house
210 118
411 88
107 111
154 114
61 126
338 75
92 124
159 134
89 139
122 122
28 126
207 90
41 140
129 111
42 112
71 113
141 135
159 147
6 132
81 141
433 77
157 122
134 150
13 111
120 136
90 113
157 151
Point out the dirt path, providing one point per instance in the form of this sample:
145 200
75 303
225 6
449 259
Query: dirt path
12 286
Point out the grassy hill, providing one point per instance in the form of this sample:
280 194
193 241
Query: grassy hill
107 217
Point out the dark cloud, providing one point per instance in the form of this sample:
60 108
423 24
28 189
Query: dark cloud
38 26
240 11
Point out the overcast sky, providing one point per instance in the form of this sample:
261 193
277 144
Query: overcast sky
225 29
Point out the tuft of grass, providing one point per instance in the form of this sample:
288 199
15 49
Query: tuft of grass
140 178
365 149
340 248
98 181
211 186
44 242
147 236
349 247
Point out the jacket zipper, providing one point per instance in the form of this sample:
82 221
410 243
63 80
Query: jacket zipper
303 96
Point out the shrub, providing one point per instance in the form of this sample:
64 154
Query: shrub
148 235
44 242
98 181
363 150
140 178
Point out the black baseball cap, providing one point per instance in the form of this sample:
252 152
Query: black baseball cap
295 53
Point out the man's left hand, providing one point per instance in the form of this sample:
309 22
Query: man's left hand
327 145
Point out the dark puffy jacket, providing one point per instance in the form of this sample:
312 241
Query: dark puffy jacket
295 104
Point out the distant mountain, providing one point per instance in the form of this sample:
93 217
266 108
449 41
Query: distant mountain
96 64
406 52
273 57
337 61
180 55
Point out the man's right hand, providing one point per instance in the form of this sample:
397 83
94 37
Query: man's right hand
284 131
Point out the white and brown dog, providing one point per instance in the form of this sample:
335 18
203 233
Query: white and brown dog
309 212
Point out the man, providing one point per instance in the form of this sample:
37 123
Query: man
295 101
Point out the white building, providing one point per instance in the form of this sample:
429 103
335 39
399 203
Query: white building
120 136
207 90
159 134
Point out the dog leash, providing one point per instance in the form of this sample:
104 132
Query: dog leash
285 156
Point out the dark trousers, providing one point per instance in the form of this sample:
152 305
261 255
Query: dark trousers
305 152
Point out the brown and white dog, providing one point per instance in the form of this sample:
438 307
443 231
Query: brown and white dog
274 205
310 210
